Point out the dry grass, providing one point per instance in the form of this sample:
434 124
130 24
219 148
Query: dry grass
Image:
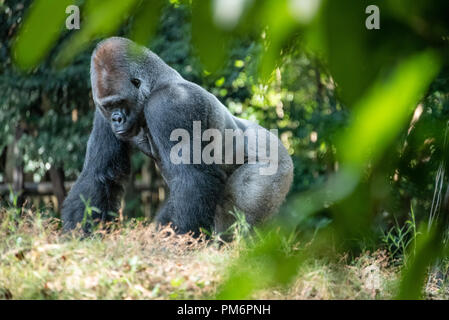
132 262
135 261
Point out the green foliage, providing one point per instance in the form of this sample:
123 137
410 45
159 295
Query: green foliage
52 108
240 228
400 238
88 212
275 266
102 18
415 272
35 43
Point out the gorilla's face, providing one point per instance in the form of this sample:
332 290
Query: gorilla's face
119 85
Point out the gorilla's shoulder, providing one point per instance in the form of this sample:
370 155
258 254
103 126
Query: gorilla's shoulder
177 104
182 94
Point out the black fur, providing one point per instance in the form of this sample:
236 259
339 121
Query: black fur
200 195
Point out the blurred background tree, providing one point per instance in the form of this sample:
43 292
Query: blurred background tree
363 112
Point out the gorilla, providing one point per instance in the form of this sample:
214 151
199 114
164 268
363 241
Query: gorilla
144 104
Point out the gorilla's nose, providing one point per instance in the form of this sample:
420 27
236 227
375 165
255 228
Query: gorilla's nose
117 117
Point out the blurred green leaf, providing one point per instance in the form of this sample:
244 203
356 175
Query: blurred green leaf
42 26
386 108
279 31
146 20
274 266
376 121
102 18
428 247
210 41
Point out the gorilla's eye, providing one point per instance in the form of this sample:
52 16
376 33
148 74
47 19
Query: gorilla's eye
135 82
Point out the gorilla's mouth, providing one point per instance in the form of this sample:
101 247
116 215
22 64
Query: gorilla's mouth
122 132
126 133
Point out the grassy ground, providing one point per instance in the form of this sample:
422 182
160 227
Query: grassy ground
134 261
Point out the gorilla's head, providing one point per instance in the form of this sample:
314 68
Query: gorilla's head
120 84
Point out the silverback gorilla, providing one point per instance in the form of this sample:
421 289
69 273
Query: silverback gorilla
143 103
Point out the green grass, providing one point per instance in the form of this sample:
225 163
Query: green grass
135 261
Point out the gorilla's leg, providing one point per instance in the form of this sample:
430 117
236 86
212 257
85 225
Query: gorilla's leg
193 197
258 196
106 166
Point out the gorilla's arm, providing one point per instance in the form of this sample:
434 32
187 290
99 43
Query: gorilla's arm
106 166
194 189
193 196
